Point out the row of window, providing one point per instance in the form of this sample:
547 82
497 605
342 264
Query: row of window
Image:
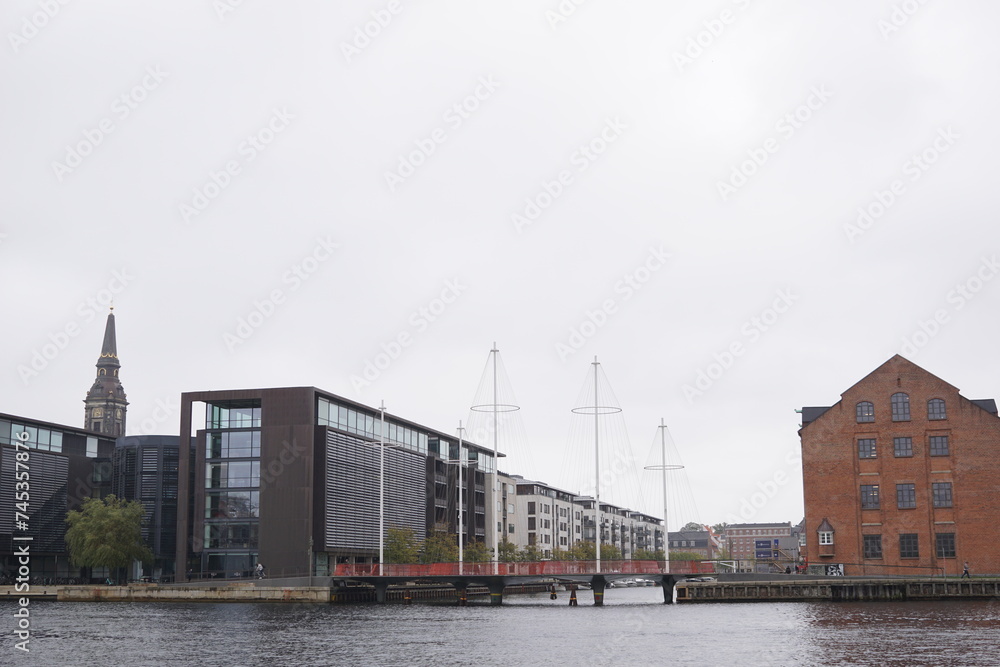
38 438
909 545
902 447
906 496
233 445
900 404
233 415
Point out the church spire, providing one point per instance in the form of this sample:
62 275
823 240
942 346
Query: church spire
105 404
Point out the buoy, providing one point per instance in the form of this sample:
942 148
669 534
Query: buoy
572 598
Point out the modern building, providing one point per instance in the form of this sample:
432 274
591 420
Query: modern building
105 406
65 465
555 520
290 477
763 547
901 476
145 469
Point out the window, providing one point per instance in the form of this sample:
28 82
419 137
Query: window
869 497
825 537
909 546
900 407
865 412
906 496
944 543
531 508
939 445
935 409
941 493
872 546
866 448
531 523
91 447
902 447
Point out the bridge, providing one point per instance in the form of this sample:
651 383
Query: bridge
497 576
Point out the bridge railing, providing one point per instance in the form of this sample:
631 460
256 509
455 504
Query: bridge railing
531 569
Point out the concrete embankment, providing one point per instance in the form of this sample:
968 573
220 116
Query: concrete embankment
243 592
838 589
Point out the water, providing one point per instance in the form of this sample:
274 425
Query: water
634 627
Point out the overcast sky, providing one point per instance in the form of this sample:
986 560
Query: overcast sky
740 207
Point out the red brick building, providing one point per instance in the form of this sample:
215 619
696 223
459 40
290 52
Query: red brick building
902 476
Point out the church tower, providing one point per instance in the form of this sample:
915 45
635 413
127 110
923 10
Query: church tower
105 405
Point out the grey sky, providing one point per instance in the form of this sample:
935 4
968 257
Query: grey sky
655 184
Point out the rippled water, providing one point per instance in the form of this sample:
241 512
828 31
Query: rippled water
633 627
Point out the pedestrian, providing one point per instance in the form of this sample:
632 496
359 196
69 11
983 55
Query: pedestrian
260 570
965 570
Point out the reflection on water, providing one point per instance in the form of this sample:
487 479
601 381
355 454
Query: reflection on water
633 627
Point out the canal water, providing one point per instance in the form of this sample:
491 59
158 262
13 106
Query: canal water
633 628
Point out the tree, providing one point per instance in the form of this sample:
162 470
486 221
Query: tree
477 552
648 554
529 554
720 528
685 555
106 533
439 547
693 525
401 546
507 552
610 552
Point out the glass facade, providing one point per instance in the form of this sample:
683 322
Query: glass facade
369 424
232 487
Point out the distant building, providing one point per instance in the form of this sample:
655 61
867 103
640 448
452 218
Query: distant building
901 476
763 547
705 543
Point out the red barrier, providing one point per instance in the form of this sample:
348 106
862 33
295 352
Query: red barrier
533 569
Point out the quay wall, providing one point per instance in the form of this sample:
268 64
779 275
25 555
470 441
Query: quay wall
838 589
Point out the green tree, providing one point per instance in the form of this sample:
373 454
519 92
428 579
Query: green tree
720 528
693 525
610 552
648 554
529 554
440 547
685 555
508 551
401 546
477 552
107 533
583 551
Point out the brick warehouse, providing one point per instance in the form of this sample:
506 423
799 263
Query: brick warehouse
902 476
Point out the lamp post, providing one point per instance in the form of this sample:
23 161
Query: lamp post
462 464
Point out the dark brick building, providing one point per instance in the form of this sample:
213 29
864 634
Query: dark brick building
902 476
